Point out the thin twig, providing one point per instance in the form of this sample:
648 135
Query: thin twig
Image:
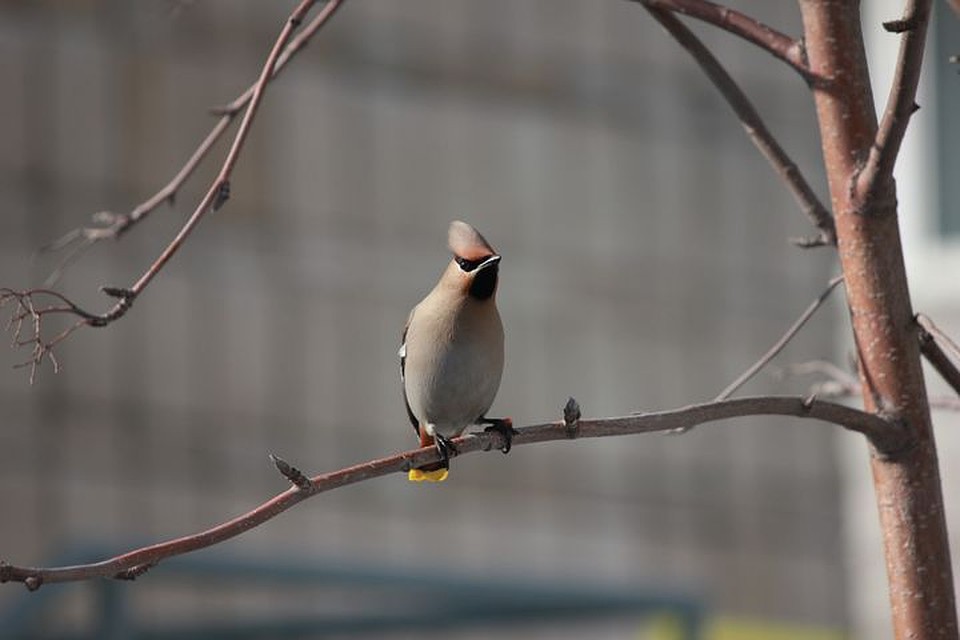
28 306
750 29
784 166
781 343
942 338
886 435
215 197
901 101
111 226
823 367
933 341
840 384
219 190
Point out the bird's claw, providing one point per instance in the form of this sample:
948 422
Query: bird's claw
446 449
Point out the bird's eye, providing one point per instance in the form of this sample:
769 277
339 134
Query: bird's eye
467 265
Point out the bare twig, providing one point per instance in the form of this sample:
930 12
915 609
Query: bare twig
754 126
220 189
781 343
888 436
111 226
878 170
823 367
840 384
933 341
215 197
767 38
30 307
942 338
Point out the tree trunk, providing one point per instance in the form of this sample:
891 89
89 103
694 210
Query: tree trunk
907 482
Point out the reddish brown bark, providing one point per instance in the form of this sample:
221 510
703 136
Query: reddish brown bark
134 563
907 482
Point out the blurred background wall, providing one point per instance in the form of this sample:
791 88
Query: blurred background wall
646 264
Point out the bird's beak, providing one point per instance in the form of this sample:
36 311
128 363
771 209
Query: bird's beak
492 260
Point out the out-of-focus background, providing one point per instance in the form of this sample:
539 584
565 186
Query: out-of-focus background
646 264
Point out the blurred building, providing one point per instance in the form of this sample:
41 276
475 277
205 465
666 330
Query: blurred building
646 264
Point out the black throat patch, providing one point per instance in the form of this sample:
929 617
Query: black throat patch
485 283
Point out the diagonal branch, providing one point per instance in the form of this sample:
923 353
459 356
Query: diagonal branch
219 191
887 435
111 226
777 44
785 167
840 384
933 341
901 102
216 196
781 343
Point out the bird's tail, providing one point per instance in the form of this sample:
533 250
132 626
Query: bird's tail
433 472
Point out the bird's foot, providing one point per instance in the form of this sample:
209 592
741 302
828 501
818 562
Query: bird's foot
446 449
503 426
435 471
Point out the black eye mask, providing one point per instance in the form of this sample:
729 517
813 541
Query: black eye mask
468 265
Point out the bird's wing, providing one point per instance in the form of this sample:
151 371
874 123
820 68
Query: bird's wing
402 353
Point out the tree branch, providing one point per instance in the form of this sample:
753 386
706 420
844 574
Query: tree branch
216 196
932 343
877 172
111 226
781 343
34 305
754 126
840 384
219 190
907 486
888 436
777 44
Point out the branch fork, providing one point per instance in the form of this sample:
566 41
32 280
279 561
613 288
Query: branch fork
113 225
750 119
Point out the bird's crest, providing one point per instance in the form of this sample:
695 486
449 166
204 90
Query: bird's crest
466 242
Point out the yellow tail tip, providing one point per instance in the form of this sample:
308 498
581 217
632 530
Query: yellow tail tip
419 475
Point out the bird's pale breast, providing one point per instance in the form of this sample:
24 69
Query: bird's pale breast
452 379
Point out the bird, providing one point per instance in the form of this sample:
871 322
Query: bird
451 352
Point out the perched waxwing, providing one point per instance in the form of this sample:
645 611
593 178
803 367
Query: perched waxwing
451 352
